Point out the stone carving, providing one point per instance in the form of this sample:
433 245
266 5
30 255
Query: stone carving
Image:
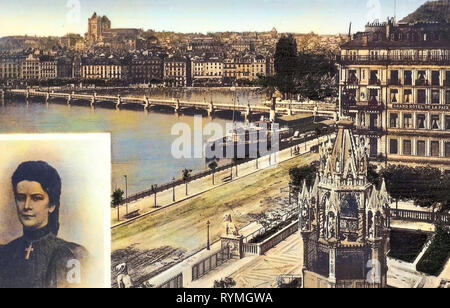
123 278
230 227
331 226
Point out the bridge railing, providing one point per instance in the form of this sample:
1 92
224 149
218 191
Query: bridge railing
210 263
420 216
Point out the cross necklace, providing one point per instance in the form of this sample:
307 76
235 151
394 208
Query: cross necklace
28 251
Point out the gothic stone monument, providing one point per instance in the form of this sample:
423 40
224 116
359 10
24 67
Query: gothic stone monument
344 220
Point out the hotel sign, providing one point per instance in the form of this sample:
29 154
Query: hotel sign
421 107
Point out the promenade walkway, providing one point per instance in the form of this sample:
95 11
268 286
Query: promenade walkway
165 199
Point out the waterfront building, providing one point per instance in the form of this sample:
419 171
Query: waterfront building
30 69
344 220
207 71
48 68
10 67
103 68
247 67
145 69
250 67
394 82
177 72
64 68
77 66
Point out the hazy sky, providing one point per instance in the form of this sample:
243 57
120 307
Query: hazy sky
58 17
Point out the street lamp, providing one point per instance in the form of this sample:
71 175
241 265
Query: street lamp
173 189
208 245
126 192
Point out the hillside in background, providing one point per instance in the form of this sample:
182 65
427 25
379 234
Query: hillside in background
432 11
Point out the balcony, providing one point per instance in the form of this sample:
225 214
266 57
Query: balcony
373 102
394 82
422 83
394 59
373 106
408 82
353 82
374 82
370 131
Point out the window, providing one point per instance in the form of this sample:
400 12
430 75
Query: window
393 146
435 148
421 121
447 97
362 119
394 96
407 121
447 149
435 78
352 79
373 78
420 148
447 122
373 147
394 78
421 97
435 97
394 120
421 78
373 121
373 97
435 122
407 94
408 78
407 147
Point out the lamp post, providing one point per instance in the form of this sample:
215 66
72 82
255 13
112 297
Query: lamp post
126 192
208 245
173 190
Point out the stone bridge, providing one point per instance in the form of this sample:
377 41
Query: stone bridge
327 110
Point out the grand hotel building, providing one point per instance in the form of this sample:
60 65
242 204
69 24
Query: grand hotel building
395 84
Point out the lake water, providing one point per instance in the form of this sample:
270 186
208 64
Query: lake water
141 142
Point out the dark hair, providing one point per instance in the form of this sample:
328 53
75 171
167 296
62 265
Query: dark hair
44 174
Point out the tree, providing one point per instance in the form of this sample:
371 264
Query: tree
186 176
285 62
213 166
311 74
308 173
437 254
315 77
117 199
427 186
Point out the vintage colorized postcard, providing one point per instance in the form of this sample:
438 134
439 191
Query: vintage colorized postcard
276 144
54 199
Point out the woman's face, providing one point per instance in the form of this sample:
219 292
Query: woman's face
33 205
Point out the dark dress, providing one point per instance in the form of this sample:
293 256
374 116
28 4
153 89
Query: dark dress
48 264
